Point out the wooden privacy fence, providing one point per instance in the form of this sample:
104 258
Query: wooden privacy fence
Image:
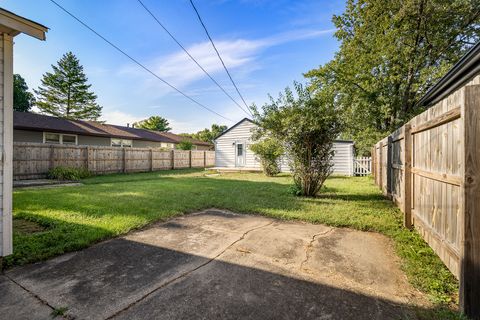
430 168
33 160
362 166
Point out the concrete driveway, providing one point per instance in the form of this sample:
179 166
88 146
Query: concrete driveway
218 265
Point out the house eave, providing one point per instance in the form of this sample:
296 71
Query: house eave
13 25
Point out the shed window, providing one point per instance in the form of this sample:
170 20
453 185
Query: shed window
239 150
52 138
121 143
69 139
59 138
126 143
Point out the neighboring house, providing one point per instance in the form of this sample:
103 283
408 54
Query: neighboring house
232 151
31 127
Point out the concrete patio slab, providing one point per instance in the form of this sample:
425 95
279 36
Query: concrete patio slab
17 303
221 265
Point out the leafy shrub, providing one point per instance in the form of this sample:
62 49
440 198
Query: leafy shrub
269 150
307 125
185 145
67 173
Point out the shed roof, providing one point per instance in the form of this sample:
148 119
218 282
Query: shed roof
38 122
14 24
232 127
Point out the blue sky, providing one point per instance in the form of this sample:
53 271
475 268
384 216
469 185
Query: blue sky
265 44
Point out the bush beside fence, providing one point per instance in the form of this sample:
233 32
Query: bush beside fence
430 168
33 160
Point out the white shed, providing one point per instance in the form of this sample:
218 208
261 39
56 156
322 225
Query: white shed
232 151
10 26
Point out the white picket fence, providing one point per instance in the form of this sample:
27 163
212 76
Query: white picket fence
362 166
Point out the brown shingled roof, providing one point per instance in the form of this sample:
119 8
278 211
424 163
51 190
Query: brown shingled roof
38 122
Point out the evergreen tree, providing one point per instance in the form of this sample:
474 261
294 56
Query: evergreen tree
155 123
65 93
23 100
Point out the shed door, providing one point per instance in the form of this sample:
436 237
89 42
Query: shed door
240 154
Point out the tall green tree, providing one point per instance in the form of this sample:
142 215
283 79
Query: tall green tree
390 53
207 135
155 123
65 92
23 100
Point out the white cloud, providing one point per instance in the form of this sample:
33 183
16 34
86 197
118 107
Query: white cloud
240 54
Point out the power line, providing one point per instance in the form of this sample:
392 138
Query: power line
139 63
191 57
218 54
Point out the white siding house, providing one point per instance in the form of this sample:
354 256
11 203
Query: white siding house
232 151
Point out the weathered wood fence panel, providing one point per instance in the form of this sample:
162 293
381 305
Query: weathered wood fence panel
181 159
210 159
33 160
429 168
198 159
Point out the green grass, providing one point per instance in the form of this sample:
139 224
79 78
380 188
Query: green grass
72 218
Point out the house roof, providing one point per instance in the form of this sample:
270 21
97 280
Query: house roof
235 125
465 69
14 24
38 122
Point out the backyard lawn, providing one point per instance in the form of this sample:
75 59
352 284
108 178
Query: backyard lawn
49 222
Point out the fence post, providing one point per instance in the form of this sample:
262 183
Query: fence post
389 166
380 165
190 158
407 171
87 148
372 163
51 163
470 252
173 159
151 159
124 159
204 158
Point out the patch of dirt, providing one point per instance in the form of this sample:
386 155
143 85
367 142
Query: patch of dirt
26 226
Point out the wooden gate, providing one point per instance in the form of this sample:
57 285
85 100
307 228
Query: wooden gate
362 166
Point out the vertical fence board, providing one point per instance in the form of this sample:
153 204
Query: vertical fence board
470 254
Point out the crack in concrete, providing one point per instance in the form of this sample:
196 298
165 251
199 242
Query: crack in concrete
34 295
186 273
309 247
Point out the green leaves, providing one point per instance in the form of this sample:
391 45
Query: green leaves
306 125
65 93
23 100
269 150
185 145
391 52
155 123
207 135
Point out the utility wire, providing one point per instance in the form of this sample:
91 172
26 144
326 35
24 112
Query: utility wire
191 57
218 54
139 63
